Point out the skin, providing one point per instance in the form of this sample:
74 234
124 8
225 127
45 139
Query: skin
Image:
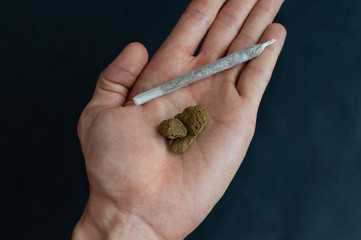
139 189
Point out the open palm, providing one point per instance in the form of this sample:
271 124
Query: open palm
132 173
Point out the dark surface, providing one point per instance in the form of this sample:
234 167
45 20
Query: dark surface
301 178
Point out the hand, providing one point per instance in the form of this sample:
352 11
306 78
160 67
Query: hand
138 187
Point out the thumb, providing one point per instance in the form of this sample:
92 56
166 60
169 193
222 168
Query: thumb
115 81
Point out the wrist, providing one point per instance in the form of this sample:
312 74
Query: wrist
102 221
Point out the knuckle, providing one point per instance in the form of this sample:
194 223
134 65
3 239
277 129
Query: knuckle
269 7
128 72
120 71
228 18
108 85
257 70
243 40
198 10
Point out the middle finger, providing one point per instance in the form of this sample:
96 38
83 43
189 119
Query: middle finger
225 28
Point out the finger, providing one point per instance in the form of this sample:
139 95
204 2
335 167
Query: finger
225 28
261 16
256 75
116 80
192 26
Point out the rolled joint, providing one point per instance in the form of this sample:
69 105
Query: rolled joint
147 96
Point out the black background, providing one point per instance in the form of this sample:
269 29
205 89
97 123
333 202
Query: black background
301 178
